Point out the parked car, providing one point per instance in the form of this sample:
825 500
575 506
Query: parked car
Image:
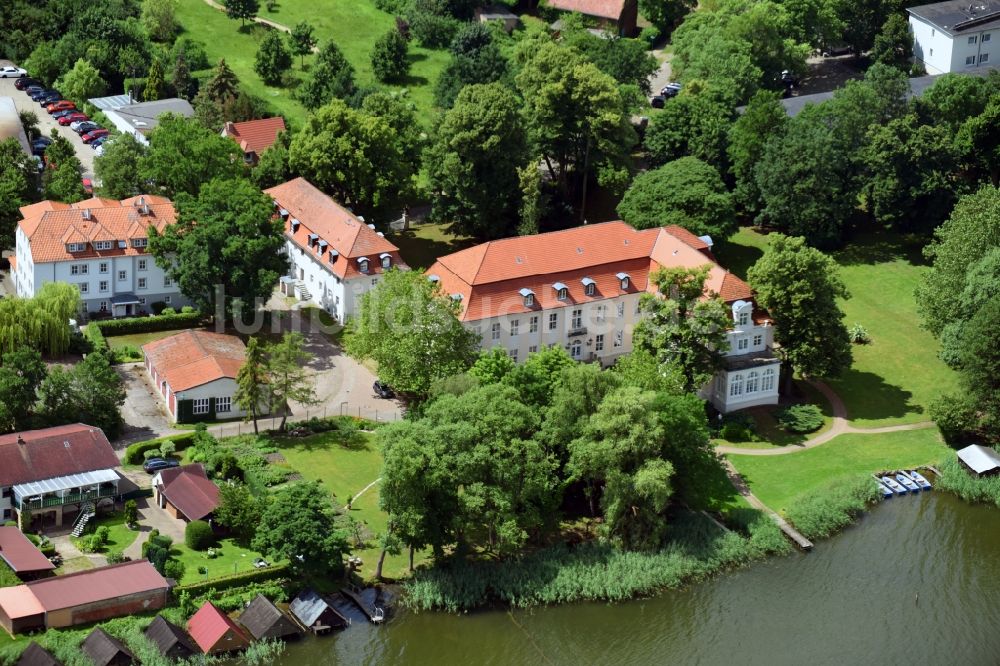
11 72
24 82
657 101
383 390
834 50
34 88
56 115
61 105
672 89
39 145
94 134
88 185
98 142
72 117
81 126
49 98
156 464
38 94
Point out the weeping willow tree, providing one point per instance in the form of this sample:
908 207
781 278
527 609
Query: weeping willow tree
41 322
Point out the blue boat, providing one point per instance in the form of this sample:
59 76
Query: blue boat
893 485
884 489
919 479
908 483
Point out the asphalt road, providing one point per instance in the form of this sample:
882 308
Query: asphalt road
46 123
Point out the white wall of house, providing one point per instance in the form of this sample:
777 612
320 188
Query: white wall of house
6 503
340 298
941 52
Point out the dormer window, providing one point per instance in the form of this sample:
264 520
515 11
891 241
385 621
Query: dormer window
562 291
528 296
139 242
589 286
456 297
295 224
103 245
312 239
623 280
741 312
76 247
363 265
321 247
386 259
283 213
434 278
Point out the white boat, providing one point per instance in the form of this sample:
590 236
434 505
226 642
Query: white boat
919 479
908 483
893 485
884 489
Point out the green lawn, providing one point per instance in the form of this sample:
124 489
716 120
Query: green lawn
139 339
779 480
422 244
345 470
232 558
894 379
771 432
353 24
120 537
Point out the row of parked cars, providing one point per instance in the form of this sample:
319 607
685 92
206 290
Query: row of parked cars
64 111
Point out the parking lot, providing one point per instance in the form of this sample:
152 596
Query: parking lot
46 123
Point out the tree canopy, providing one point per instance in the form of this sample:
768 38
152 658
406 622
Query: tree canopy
16 187
118 168
390 59
183 155
273 58
331 77
299 525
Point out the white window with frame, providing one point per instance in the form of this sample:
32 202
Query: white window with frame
753 381
619 338
577 322
742 344
102 285
601 313
223 404
102 267
621 310
386 261
553 321
562 294
515 326
973 39
84 287
167 282
199 406
532 349
140 242
758 340
736 385
767 384
142 283
986 37
142 301
744 318
166 299
576 349
78 269
363 265
495 331
533 324
984 57
102 245
142 264
599 342
103 306
513 355
76 247
970 60
122 276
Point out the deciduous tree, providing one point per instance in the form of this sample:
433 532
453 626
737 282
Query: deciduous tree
183 155
691 124
88 392
160 20
252 387
332 77
239 510
288 377
389 57
82 82
21 373
412 331
302 41
61 179
17 177
273 58
475 58
686 192
763 118
300 527
118 168
473 163
799 287
242 9
894 43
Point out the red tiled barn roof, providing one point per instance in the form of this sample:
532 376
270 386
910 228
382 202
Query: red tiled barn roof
196 357
611 9
84 587
209 626
21 554
255 135
52 452
190 490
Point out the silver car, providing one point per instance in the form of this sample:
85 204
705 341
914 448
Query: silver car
10 72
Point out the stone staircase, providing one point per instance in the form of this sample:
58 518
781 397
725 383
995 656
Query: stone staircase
302 291
87 511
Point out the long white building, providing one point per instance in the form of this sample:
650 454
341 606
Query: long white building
333 256
955 36
100 246
580 289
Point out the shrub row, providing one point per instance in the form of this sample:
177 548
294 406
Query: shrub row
96 337
823 513
163 322
272 572
955 479
134 452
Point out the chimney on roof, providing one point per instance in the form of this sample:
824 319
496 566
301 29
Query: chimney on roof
86 213
230 128
20 440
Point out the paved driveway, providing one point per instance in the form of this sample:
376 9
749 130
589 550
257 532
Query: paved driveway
144 413
46 123
153 517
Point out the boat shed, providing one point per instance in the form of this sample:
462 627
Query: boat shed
265 620
36 655
316 612
172 641
106 650
215 632
980 460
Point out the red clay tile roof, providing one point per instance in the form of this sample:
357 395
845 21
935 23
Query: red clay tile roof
341 229
21 554
255 135
611 9
197 357
209 626
50 225
489 277
92 585
52 452
18 601
190 490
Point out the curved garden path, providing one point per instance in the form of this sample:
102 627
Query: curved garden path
258 19
840 426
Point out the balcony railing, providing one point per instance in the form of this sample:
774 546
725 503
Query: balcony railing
54 499
577 331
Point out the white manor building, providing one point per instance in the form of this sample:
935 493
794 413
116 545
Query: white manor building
955 36
100 246
580 289
334 256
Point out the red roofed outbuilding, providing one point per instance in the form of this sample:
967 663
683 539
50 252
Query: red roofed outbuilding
254 136
186 492
618 16
215 632
21 555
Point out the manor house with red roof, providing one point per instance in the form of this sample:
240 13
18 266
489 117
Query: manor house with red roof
580 289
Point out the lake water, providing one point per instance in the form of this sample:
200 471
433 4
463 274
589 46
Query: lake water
917 580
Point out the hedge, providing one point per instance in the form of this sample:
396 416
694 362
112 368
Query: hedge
163 322
234 580
134 453
96 337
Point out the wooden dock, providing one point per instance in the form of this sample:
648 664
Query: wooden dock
374 614
783 525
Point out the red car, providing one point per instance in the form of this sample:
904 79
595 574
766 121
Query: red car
72 118
88 185
93 134
61 105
